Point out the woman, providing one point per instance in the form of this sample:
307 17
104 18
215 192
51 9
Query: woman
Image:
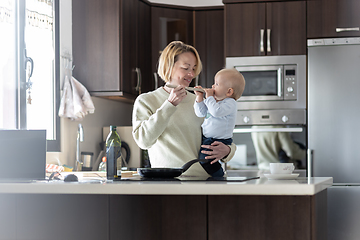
164 121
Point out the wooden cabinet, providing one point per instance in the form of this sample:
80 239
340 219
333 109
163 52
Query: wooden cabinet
257 29
163 217
169 24
268 217
209 42
110 45
136 47
159 217
144 47
333 18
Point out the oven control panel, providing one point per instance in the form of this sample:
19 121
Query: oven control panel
290 82
267 117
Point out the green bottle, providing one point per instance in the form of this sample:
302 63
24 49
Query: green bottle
113 155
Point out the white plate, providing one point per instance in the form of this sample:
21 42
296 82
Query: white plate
281 176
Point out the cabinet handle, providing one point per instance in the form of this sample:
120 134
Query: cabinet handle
138 74
261 40
268 40
156 80
356 29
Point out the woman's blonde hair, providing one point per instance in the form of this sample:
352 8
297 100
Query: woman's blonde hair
169 56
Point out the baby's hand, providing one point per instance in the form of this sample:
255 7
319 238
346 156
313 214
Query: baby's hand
199 95
209 92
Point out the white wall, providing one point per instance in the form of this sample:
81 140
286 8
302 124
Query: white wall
107 112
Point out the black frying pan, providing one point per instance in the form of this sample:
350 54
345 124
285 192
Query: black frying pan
167 172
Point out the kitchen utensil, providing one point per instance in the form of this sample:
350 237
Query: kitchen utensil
126 147
167 172
102 154
186 88
86 158
71 178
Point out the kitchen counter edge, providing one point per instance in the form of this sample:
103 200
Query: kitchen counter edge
261 186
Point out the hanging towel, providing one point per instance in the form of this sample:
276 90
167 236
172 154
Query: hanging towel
75 102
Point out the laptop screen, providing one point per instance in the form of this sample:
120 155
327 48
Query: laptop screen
22 154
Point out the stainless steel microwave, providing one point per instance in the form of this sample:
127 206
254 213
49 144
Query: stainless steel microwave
272 82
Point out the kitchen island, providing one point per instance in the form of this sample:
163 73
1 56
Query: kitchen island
178 209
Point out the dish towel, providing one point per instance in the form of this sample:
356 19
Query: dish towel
76 101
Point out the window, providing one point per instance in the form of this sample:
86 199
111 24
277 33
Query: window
29 67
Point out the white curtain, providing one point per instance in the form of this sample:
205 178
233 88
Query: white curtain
7 65
40 47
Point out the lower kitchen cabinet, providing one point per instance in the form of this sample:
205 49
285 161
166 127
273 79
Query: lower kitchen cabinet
158 217
54 216
268 217
163 217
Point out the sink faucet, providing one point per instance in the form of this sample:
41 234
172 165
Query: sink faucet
80 138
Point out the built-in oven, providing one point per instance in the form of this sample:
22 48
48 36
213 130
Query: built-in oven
255 146
272 82
271 116
269 135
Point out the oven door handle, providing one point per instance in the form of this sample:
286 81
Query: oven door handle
279 80
253 130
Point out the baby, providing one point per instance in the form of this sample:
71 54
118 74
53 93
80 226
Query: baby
219 110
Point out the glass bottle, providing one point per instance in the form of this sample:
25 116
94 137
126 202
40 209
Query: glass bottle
102 166
113 155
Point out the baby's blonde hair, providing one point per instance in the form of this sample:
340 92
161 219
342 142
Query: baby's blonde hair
236 80
169 56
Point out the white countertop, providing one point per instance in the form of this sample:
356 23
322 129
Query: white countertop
261 186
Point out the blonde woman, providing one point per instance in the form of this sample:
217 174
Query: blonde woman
164 121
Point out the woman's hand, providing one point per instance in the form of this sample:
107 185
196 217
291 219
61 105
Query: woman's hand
219 151
177 95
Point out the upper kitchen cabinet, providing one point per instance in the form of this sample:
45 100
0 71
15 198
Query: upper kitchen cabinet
109 36
168 24
209 42
144 47
272 28
333 18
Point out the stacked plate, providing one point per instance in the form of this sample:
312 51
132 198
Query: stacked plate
281 176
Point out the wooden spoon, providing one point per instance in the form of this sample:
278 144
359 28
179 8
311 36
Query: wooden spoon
186 88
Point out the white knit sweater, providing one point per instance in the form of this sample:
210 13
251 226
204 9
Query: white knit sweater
172 134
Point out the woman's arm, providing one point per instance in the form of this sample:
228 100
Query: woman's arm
220 151
148 123
150 119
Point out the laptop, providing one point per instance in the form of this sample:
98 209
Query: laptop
22 155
